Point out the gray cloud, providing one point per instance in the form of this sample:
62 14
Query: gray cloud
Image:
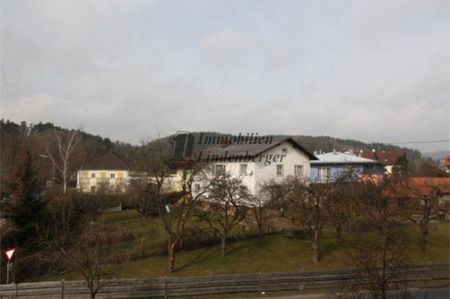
369 70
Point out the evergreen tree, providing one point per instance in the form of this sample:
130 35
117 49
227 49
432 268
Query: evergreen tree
28 207
400 168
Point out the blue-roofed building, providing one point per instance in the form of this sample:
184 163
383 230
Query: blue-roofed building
333 165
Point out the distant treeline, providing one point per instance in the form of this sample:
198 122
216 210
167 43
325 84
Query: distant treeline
16 137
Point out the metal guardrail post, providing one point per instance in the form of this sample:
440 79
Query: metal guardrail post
165 287
259 282
62 288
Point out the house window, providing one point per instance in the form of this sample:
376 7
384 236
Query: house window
219 170
197 187
324 173
92 189
113 175
298 170
280 170
284 150
93 175
243 170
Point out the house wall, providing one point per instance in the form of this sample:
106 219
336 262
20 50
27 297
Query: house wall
85 181
260 172
266 173
336 171
233 168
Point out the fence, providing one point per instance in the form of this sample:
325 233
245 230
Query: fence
208 285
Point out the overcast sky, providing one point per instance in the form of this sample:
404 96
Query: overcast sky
367 70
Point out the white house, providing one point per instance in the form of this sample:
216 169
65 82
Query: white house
258 163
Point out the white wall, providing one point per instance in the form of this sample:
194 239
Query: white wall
260 172
85 180
293 157
234 168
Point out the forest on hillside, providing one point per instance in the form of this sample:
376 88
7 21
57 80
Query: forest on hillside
38 139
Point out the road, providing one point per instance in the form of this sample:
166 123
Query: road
431 293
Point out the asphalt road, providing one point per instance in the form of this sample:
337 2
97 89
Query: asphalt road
431 293
435 293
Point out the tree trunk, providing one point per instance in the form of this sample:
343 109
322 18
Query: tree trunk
224 244
171 256
64 177
259 222
425 238
92 292
316 246
339 234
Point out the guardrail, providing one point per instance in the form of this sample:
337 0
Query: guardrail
179 286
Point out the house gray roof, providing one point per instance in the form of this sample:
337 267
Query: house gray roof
252 149
342 158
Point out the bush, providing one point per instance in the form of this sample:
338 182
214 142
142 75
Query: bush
367 225
294 233
194 239
200 238
38 264
119 236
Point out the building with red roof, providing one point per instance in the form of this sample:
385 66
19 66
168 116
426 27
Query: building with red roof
386 158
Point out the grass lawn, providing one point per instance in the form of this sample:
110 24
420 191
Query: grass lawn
274 253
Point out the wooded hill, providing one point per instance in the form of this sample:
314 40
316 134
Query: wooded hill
314 143
17 138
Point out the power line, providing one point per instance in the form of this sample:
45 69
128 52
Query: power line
421 141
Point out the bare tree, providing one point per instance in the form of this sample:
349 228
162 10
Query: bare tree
341 202
227 205
259 211
378 263
378 267
88 255
66 142
175 213
377 205
303 204
177 216
259 206
145 197
87 248
422 204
